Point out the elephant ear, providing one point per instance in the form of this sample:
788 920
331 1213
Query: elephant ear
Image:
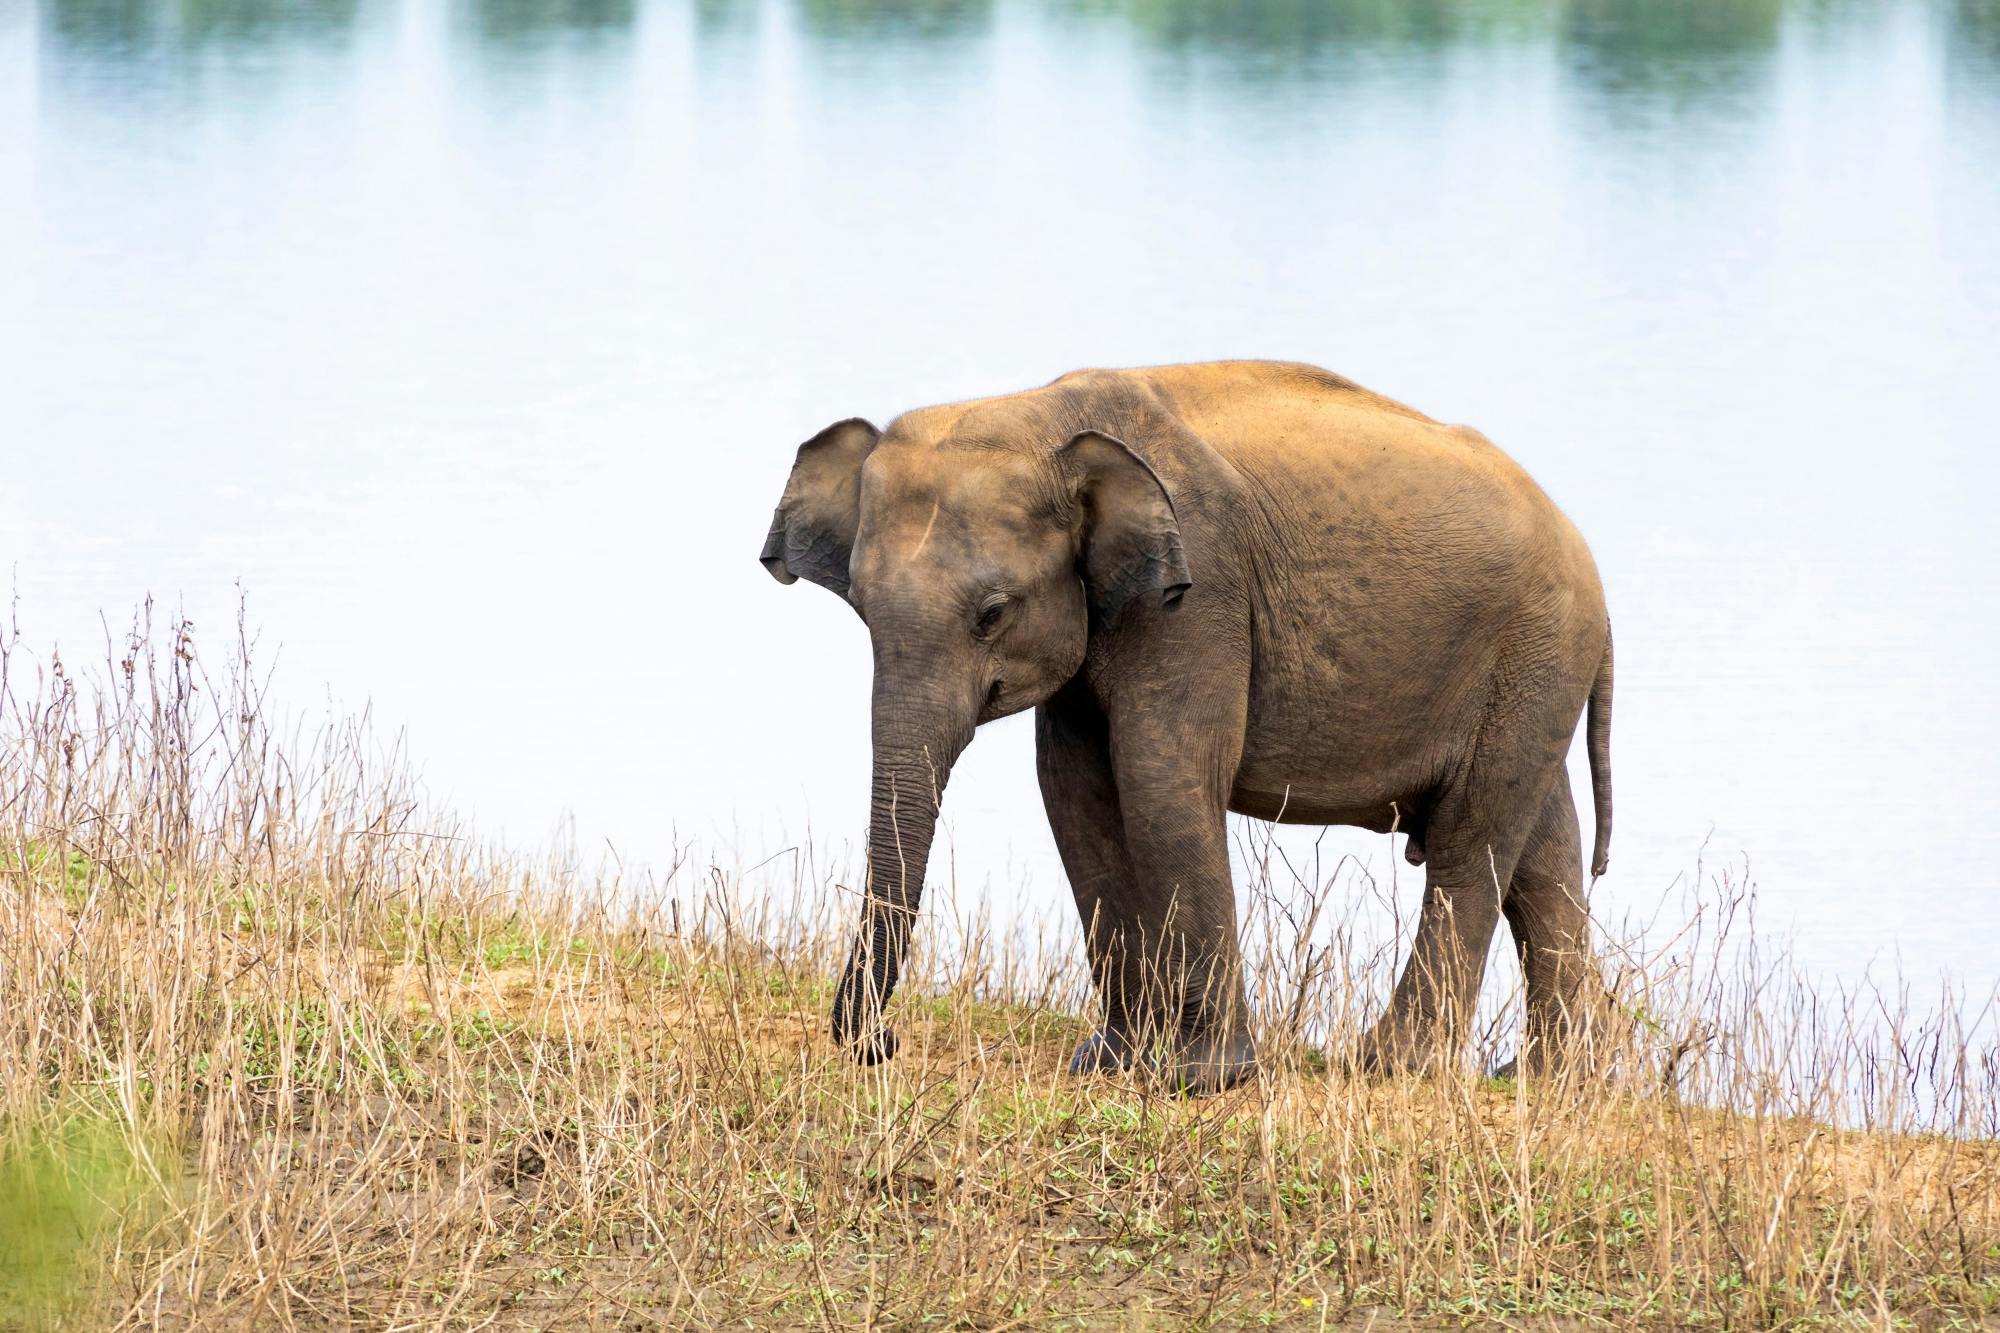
1131 539
812 532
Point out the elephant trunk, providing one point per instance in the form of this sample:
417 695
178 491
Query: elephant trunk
916 741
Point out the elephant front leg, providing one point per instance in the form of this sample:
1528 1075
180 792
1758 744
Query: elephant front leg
1188 969
1179 954
1073 764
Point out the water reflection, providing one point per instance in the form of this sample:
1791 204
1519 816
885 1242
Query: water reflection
895 18
1630 57
122 28
1632 68
1973 31
1681 48
1292 33
717 16
1640 56
1677 53
101 27
530 21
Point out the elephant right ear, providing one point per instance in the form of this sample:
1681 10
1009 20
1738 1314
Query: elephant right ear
812 532
1132 539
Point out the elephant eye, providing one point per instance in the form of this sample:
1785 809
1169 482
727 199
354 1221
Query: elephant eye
989 615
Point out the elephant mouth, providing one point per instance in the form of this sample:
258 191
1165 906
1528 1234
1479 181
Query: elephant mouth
991 708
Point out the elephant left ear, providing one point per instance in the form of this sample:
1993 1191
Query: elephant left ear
812 532
1131 536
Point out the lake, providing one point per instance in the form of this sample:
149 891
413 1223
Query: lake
473 340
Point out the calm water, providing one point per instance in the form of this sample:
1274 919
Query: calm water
474 339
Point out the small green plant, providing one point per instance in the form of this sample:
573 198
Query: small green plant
64 1189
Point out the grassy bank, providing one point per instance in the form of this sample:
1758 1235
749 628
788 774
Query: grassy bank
278 1048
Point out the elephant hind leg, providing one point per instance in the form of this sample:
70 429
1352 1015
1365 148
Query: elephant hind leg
1429 1015
1546 912
1474 830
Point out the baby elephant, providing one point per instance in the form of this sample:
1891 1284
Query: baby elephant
1244 585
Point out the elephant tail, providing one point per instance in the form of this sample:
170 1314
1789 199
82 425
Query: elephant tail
1598 742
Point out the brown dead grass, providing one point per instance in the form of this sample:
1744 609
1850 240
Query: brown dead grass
366 1075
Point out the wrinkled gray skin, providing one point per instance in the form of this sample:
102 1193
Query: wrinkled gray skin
1244 586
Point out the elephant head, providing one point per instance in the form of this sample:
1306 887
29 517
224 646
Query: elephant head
981 564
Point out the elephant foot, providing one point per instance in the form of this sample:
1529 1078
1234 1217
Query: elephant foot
1391 1050
1551 1049
1538 1058
1105 1052
877 1047
1540 1063
1211 1063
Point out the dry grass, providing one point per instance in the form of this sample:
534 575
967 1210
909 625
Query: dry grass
277 1050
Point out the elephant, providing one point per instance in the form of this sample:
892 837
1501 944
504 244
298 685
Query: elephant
1241 586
